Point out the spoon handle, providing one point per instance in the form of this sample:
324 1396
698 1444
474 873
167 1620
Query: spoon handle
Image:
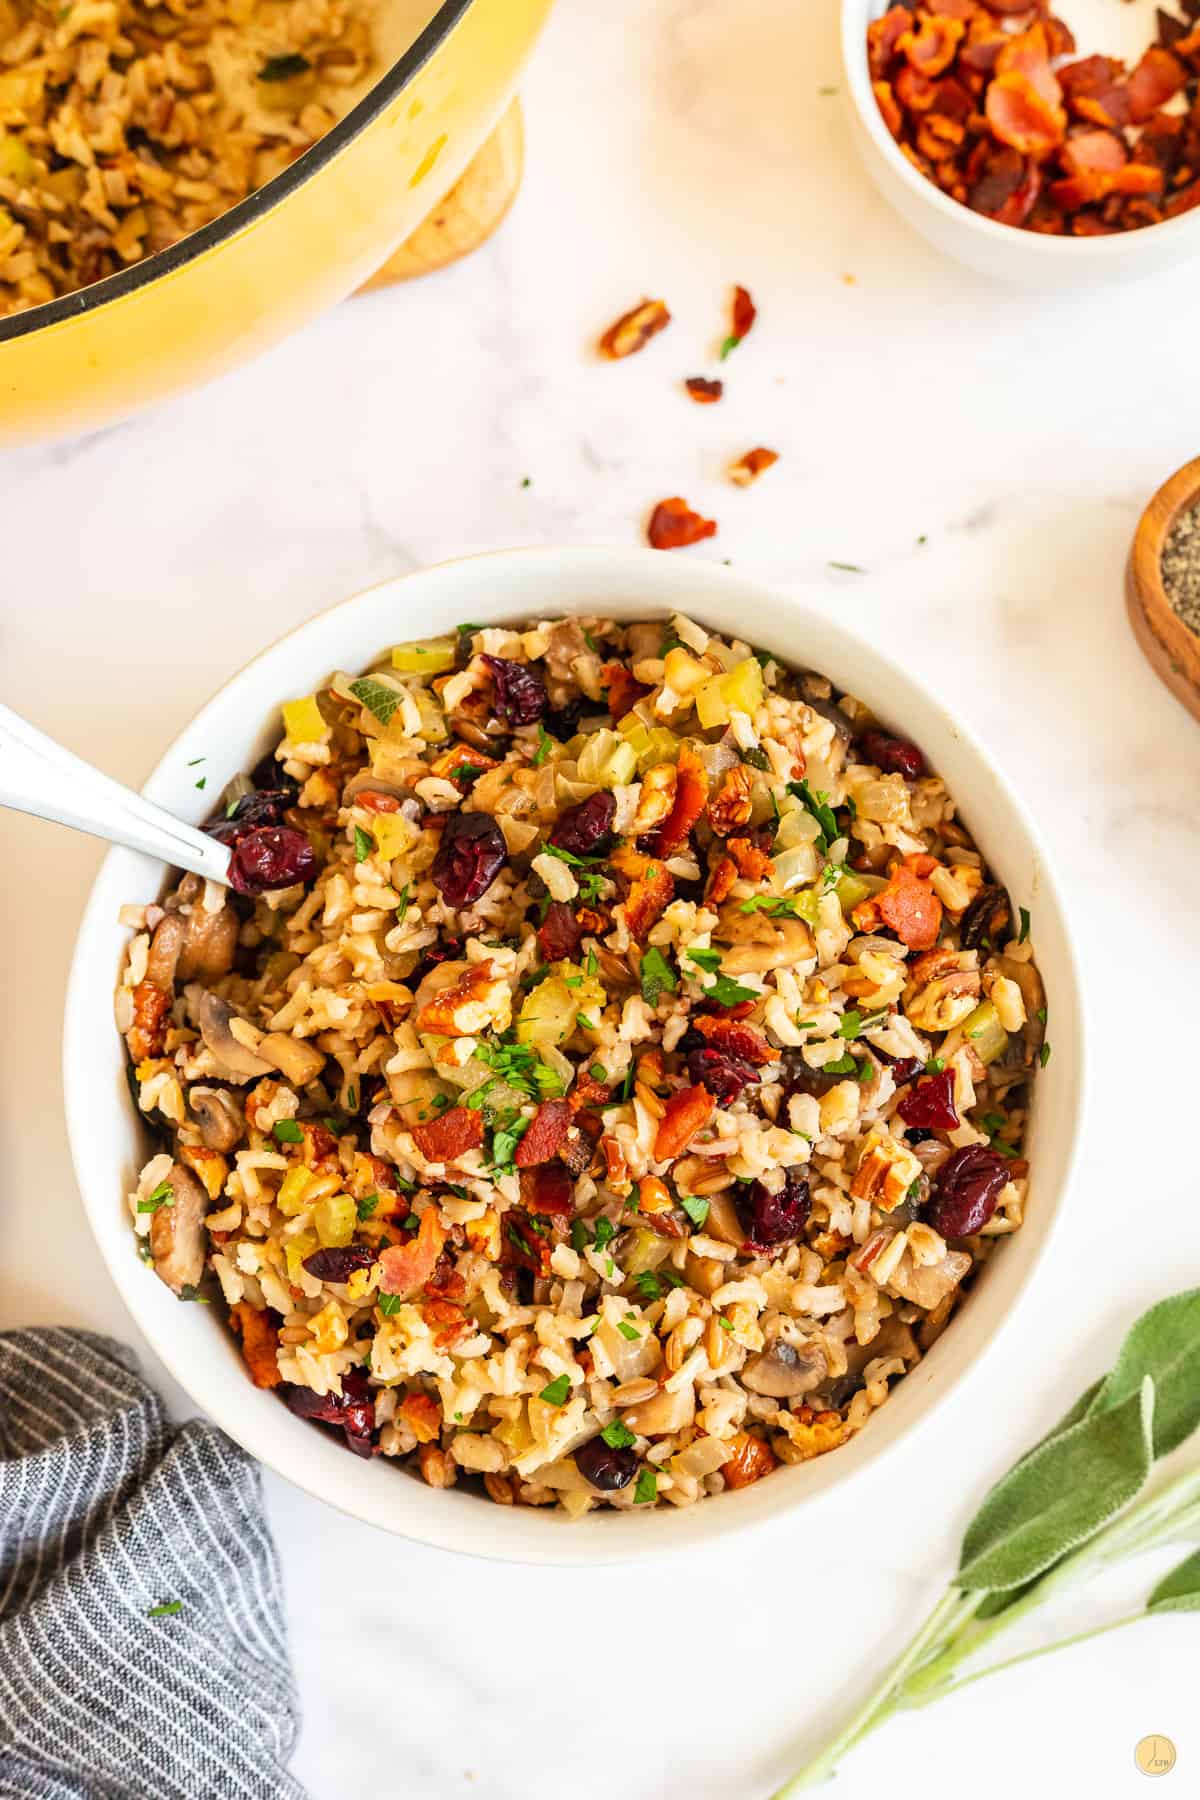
40 777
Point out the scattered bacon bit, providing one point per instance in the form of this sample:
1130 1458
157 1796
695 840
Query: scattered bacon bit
691 795
673 525
458 756
621 690
972 94
749 1460
260 1343
720 882
586 1092
634 329
423 1416
703 391
739 1039
744 313
753 863
547 1129
651 887
748 468
616 1168
406 1267
148 1033
523 1244
908 905
446 1139
687 1113
547 1190
732 806
560 934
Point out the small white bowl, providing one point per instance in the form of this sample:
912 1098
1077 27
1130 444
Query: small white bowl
1005 252
236 726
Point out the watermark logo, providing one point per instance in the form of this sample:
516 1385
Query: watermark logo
1154 1755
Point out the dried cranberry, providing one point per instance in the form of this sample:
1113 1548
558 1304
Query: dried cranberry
987 920
520 691
270 774
965 1191
723 1074
604 1467
560 934
584 828
904 1068
930 1106
447 949
771 1219
803 1079
562 722
270 856
893 755
470 856
353 1409
339 1261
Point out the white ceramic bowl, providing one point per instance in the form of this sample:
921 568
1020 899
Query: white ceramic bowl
1023 258
236 726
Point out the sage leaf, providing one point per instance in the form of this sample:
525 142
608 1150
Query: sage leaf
1059 1496
1164 1344
1180 1590
377 697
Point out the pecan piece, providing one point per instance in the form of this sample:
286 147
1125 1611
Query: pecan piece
748 468
703 391
260 1343
673 525
732 806
634 329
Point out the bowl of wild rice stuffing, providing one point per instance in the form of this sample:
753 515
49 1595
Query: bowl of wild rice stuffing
182 182
614 1098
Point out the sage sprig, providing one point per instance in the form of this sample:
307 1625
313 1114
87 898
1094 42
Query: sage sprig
1073 1504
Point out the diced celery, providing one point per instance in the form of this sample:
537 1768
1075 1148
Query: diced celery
290 1198
852 890
808 906
432 657
795 866
302 721
741 690
335 1219
297 1248
607 760
984 1032
646 1249
652 747
433 718
393 834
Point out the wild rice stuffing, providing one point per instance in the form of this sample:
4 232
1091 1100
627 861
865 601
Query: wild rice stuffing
124 125
625 1089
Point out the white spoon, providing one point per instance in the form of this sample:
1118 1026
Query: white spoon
38 776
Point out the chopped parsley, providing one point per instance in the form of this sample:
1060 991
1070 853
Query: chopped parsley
648 1284
708 960
696 1208
412 1223
1044 1055
1024 912
284 68
818 805
545 745
163 1195
286 1131
934 1066
389 1304
851 1024
555 1392
526 481
724 1323
841 1065
590 964
606 1231
1041 1014
203 781
628 1331
467 630
647 1481
591 643
726 992
849 568
588 1023
757 759
617 1436
598 1072
167 1610
377 697
776 906
465 771
627 1084
579 1236
364 843
657 976
402 903
366 1206
729 345
196 760
352 1098
504 1143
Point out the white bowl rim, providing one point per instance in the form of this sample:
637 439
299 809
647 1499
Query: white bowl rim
545 1536
1038 245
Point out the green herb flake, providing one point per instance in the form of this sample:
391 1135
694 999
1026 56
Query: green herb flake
648 1284
848 568
617 1436
286 1131
526 481
1024 933
367 1205
377 697
934 1066
579 1236
389 1303
364 843
163 1195
757 759
1044 1055
597 1072
646 1488
729 345
587 1022
403 902
822 812
726 992
284 68
724 1323
776 906
605 1232
657 976
590 964
696 1208
555 1392
628 1331
545 745
167 1610
851 1024
708 960
203 782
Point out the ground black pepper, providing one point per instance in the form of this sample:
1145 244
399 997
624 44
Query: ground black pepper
1181 567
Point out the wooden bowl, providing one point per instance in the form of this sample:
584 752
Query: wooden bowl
1173 650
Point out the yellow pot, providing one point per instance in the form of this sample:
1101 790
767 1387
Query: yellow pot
305 240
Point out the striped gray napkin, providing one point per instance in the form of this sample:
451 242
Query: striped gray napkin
142 1648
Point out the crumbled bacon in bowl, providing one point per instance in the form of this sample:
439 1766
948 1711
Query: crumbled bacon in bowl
993 104
625 1095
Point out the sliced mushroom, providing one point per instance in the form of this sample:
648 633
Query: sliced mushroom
722 1222
209 939
841 722
704 1273
759 943
219 1115
365 780
930 1284
297 1060
177 1231
783 1372
166 946
213 1017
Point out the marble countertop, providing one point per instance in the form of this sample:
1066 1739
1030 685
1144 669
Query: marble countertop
982 457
